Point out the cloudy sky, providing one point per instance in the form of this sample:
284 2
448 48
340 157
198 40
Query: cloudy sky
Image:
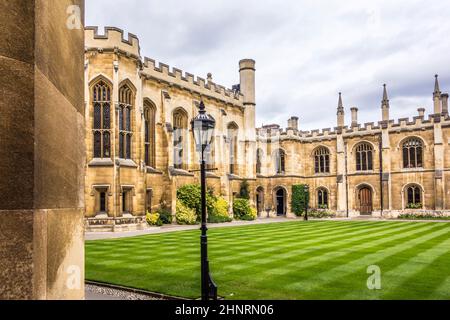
306 51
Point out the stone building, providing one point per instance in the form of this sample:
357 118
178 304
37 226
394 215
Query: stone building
140 148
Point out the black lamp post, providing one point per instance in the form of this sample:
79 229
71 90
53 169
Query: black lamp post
306 188
203 129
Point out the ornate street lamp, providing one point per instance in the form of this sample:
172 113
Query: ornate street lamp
306 188
203 129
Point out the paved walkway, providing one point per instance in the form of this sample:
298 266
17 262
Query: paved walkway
175 227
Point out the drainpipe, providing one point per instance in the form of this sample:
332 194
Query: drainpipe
346 180
381 173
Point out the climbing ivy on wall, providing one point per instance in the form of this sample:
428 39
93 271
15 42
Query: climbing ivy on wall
300 198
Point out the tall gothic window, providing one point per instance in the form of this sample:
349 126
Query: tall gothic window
125 118
414 197
180 120
412 153
259 155
232 135
364 157
280 161
322 160
149 127
322 198
102 120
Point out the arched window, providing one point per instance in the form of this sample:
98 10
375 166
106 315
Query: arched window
232 136
259 155
102 120
414 197
322 198
412 153
125 118
364 153
149 127
322 160
180 120
280 160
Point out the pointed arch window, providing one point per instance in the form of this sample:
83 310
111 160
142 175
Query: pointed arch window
150 129
414 197
259 155
322 198
232 135
125 119
180 120
322 160
364 157
102 120
413 153
280 161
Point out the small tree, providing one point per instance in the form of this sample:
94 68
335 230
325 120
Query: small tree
244 192
300 199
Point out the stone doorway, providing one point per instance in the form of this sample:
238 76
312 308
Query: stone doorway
280 202
365 201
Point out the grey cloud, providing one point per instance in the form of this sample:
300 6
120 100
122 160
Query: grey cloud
306 51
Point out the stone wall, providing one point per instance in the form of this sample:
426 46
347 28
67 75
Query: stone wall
42 158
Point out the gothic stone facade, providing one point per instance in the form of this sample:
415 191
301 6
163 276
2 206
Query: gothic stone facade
140 147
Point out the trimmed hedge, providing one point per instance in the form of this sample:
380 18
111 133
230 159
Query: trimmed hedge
300 199
190 196
153 219
220 212
242 210
185 215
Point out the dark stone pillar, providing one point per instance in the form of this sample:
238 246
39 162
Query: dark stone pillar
42 149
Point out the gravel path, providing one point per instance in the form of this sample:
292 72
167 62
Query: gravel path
97 292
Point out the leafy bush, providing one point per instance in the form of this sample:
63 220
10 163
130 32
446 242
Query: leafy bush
190 196
425 216
242 210
153 219
185 215
219 212
414 206
244 192
165 216
300 199
320 214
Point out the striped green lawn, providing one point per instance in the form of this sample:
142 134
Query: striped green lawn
291 260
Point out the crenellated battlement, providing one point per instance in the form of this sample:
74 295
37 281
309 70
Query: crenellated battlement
369 128
175 76
112 38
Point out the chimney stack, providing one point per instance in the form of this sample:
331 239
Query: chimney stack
421 112
444 99
354 116
293 123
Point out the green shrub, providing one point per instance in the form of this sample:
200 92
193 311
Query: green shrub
219 213
244 192
423 216
153 219
185 215
300 199
190 196
414 206
165 216
320 214
242 210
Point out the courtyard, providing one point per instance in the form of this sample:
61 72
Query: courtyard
284 260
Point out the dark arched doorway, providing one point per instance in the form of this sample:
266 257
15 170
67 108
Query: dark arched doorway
280 201
260 200
365 200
